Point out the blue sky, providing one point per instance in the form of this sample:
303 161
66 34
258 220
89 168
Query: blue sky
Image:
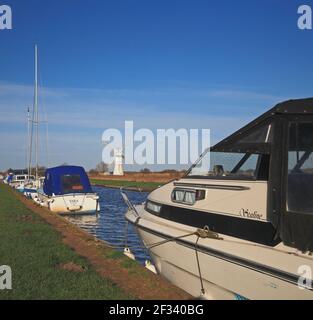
163 64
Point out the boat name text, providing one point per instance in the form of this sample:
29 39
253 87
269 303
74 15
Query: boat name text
245 213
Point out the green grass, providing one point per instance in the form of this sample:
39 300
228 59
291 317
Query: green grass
33 250
114 255
127 263
133 184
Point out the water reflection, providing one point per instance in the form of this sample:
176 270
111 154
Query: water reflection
110 224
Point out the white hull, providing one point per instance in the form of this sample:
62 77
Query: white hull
16 184
253 191
19 181
229 267
70 203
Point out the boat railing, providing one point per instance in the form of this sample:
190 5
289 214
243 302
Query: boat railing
130 206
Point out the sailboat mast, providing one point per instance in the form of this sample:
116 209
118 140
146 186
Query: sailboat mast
36 108
28 142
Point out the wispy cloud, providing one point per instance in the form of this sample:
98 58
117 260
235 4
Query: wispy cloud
244 95
78 116
18 90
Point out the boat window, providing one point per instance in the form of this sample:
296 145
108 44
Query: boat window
300 168
71 184
227 165
184 196
263 134
187 196
153 207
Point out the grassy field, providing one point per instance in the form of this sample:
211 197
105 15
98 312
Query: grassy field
42 266
127 184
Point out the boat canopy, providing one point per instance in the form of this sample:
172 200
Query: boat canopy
66 179
285 134
257 136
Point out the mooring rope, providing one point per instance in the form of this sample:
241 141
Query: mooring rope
153 245
169 240
199 267
126 235
64 202
200 233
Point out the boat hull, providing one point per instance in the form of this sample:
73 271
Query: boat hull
20 189
71 203
230 269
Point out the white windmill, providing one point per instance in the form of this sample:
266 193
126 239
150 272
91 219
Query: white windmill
118 162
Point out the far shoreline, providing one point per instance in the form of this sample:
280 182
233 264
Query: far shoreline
135 181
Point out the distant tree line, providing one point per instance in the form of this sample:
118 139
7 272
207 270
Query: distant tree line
41 170
101 167
146 170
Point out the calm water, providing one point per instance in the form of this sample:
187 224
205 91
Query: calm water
110 223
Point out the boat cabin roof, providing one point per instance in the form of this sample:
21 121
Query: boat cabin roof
256 136
66 179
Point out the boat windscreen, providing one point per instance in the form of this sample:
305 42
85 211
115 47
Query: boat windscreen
227 165
257 139
72 183
20 178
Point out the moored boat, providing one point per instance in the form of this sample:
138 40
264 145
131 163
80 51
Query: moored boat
67 190
18 181
239 224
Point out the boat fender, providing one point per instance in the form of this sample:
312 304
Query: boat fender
150 266
203 296
129 254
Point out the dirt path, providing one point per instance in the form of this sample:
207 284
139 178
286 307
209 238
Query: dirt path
126 274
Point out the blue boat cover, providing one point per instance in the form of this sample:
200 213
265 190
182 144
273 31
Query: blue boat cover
65 180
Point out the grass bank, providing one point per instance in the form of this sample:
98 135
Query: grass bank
145 186
43 267
53 259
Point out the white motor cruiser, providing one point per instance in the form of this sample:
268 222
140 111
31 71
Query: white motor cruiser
18 181
67 190
239 224
31 187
